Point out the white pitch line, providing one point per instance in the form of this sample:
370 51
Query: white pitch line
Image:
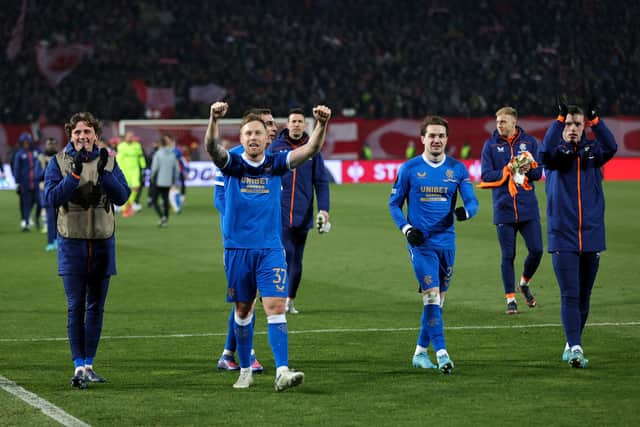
48 408
325 331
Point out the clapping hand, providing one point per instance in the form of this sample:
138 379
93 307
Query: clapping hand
562 107
78 160
102 162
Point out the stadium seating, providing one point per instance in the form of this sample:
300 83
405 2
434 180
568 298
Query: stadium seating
379 59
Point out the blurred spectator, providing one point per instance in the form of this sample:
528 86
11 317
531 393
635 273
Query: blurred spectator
477 57
50 226
366 153
465 151
410 151
27 171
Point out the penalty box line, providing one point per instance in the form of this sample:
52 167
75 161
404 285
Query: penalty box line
47 408
324 331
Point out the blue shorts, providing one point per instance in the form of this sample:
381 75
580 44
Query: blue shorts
252 270
433 267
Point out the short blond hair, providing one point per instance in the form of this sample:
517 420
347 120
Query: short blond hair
507 110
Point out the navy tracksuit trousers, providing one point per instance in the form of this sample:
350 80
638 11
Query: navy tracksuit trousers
86 296
532 234
576 274
294 240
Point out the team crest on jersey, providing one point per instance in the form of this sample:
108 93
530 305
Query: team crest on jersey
427 279
422 174
450 176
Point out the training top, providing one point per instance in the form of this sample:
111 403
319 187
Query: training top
575 198
497 152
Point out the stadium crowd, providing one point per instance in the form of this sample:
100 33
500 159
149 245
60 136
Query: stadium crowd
379 59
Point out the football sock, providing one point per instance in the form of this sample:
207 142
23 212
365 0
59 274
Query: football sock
423 337
88 361
78 363
577 348
281 369
524 281
510 297
279 338
434 325
230 344
420 349
244 340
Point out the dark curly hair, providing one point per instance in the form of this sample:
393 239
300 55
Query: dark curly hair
83 117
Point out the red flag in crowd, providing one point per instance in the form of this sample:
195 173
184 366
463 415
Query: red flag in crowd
56 63
15 42
156 100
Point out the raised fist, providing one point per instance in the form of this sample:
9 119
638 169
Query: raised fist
219 109
322 113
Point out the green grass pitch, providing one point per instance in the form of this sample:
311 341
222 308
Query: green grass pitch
166 314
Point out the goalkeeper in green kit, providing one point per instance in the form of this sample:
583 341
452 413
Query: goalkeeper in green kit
131 159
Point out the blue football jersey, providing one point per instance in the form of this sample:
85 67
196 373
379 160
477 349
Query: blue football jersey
218 184
430 191
251 217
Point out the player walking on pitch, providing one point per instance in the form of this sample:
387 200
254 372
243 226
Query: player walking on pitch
429 184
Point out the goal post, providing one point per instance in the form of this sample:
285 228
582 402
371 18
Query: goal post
189 133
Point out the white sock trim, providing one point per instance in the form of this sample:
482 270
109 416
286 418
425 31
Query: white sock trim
277 318
441 353
241 322
431 298
420 349
281 369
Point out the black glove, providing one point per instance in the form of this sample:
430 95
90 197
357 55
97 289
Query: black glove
592 110
77 162
414 236
18 189
461 214
562 107
102 162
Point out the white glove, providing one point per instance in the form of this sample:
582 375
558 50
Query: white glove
518 178
322 222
